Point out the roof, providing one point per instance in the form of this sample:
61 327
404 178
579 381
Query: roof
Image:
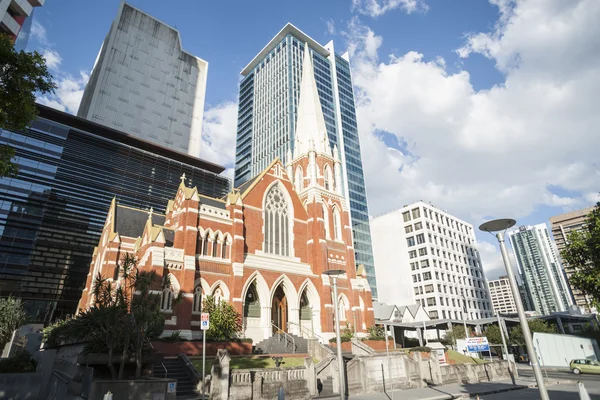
209 201
383 311
169 236
130 222
287 29
247 184
105 132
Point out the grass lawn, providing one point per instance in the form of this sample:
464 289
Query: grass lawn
459 358
250 362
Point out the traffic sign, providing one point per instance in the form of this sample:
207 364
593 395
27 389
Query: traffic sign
172 387
476 344
204 321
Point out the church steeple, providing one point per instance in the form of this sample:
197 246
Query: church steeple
310 124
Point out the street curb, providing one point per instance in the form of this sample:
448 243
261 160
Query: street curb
494 391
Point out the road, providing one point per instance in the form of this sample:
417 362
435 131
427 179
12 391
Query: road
528 373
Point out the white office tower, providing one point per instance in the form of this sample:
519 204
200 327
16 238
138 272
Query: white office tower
540 269
145 85
502 297
425 255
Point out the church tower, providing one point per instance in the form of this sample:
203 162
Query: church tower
315 169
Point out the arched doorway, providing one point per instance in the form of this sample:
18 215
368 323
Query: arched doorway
279 310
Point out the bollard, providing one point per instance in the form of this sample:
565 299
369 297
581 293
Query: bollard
108 396
583 394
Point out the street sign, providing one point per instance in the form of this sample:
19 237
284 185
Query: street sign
477 344
172 387
204 321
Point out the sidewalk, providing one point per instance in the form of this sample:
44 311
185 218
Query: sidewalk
455 391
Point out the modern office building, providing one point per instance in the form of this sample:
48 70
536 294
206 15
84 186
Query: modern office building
562 225
268 105
540 269
145 85
53 211
502 297
425 255
15 15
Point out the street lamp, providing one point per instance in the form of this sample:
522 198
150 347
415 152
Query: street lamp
499 227
334 274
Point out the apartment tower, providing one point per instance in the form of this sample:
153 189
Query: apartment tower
267 114
428 256
502 297
15 17
562 225
145 85
540 269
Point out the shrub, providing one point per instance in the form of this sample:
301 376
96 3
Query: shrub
19 362
376 332
422 349
411 342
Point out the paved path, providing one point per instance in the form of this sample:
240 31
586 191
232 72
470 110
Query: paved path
559 392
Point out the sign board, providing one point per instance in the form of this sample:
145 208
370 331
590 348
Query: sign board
204 321
477 344
172 387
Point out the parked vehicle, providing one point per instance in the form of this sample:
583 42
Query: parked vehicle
585 366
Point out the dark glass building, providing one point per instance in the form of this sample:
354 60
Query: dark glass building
52 212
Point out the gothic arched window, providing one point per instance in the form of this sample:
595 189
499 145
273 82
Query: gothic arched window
299 181
197 299
277 223
327 178
326 221
205 240
337 224
166 300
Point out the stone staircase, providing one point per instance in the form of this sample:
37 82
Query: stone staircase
282 344
176 369
325 388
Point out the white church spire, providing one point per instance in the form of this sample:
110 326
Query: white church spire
310 124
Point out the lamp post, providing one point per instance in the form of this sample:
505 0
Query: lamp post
333 274
499 227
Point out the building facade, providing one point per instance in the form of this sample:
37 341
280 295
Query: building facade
562 225
267 113
428 256
14 14
501 296
52 212
144 84
264 247
540 270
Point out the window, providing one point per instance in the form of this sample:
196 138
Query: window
214 248
326 221
342 309
410 241
418 225
424 263
406 216
327 177
416 213
420 238
431 301
433 314
412 254
197 299
408 229
205 244
224 248
166 300
299 179
426 276
337 224
277 223
423 251
414 265
428 288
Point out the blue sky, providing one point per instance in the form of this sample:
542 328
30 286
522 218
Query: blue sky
482 108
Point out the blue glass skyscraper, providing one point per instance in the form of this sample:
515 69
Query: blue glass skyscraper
268 101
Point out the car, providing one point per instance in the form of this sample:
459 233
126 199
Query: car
585 366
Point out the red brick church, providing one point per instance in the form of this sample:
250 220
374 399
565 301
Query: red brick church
263 247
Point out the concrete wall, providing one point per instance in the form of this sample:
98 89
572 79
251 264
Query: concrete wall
132 389
474 373
20 386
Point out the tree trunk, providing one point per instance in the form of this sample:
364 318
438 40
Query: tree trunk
124 355
111 367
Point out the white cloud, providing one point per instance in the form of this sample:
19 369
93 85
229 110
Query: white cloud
53 59
491 260
375 8
330 26
68 94
38 32
491 152
218 135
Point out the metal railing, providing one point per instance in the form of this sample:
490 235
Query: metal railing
165 368
310 332
286 335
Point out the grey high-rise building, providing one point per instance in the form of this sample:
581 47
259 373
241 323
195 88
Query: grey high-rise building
540 269
145 85
268 102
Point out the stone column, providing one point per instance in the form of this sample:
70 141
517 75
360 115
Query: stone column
294 318
266 321
310 375
219 387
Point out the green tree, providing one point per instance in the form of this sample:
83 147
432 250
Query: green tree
582 251
22 75
12 316
535 325
225 321
493 334
457 332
